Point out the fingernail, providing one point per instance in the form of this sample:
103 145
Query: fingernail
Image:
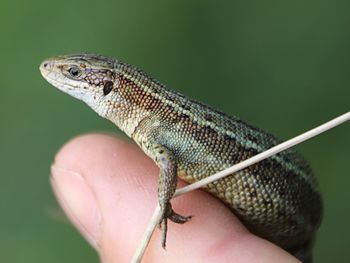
78 202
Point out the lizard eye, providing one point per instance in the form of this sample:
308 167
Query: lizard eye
107 88
74 72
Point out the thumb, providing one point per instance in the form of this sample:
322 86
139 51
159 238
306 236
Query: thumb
108 189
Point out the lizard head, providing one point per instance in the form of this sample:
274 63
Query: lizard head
87 77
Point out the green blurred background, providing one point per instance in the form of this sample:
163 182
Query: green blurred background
283 65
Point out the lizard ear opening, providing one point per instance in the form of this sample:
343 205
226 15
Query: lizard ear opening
107 88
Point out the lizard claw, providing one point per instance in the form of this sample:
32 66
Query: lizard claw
164 228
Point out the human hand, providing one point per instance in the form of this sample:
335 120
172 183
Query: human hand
108 189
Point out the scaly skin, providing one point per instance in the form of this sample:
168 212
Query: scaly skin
277 199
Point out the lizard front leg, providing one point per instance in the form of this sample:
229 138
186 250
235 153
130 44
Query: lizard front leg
166 188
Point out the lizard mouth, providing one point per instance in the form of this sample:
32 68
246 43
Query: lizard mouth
48 72
54 76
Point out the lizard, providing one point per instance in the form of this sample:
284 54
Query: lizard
277 199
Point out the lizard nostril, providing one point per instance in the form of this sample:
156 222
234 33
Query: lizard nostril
46 65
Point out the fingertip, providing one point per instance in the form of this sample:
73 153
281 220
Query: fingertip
99 172
88 147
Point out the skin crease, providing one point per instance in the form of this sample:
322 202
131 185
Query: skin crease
111 186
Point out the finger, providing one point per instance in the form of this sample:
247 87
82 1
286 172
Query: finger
108 188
